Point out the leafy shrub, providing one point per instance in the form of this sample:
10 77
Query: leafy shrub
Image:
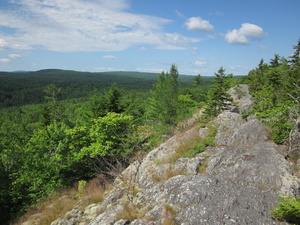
278 118
288 209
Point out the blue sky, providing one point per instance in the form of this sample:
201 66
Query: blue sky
199 36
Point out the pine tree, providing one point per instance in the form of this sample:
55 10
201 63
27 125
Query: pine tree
109 101
163 102
197 81
219 98
295 58
275 62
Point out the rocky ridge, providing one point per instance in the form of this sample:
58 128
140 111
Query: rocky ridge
236 181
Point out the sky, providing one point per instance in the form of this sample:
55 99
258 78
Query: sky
199 36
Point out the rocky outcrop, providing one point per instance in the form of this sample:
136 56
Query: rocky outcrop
236 181
240 94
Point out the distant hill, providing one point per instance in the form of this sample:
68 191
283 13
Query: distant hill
20 88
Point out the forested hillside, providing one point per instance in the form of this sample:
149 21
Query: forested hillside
21 88
59 128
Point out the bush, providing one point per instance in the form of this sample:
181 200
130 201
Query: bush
288 209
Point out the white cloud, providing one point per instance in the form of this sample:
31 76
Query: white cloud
263 48
5 60
109 57
108 69
3 44
16 43
236 37
179 14
144 49
14 56
246 32
151 70
199 24
200 63
76 25
176 41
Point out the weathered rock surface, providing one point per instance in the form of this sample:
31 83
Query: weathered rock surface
240 94
245 172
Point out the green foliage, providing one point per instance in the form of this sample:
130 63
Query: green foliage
17 89
275 88
197 90
81 186
71 133
277 117
46 157
167 104
52 92
219 99
109 136
288 210
163 102
198 148
110 101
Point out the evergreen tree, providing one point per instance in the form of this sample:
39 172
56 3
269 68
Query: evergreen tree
52 110
275 62
110 101
196 90
198 80
219 99
163 102
295 58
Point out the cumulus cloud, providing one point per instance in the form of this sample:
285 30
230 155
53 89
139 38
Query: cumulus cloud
243 35
76 25
199 24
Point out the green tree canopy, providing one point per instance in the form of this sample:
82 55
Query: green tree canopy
219 99
163 102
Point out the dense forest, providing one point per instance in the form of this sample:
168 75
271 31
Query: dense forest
60 127
22 88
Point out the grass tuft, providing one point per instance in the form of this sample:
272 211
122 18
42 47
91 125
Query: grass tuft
58 204
131 212
169 214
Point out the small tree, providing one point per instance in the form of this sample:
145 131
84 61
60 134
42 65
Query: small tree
295 58
197 81
219 99
109 101
52 110
163 102
275 62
